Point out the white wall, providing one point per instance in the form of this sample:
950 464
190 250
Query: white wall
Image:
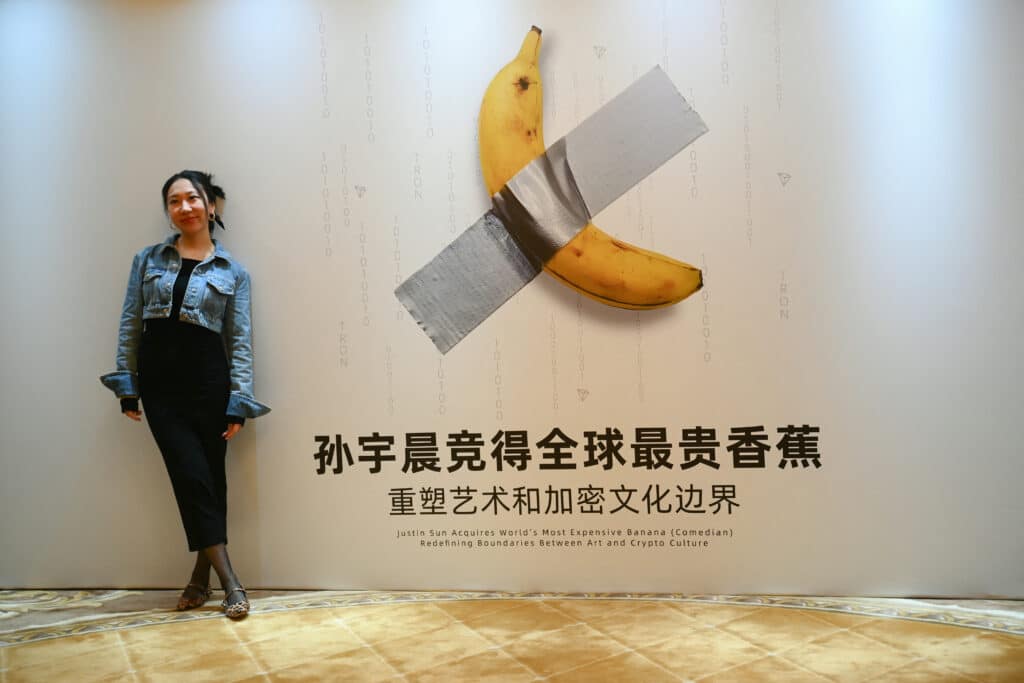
875 294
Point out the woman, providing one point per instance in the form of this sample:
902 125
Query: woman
185 349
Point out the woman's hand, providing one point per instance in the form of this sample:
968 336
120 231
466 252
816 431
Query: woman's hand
134 414
230 432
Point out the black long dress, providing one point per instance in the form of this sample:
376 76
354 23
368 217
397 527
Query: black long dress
184 384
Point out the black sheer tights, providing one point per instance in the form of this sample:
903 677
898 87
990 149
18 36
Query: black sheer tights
216 556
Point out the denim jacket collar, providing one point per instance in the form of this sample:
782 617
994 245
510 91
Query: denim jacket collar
218 250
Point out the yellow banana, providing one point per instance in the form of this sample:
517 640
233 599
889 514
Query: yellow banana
593 263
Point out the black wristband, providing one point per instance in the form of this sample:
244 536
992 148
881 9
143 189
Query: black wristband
130 404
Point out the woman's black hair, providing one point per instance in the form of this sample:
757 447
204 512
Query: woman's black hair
202 182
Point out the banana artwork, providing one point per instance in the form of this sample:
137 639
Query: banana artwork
593 263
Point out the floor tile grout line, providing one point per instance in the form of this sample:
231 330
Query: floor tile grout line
633 648
563 612
543 634
834 630
593 661
440 604
574 616
775 653
855 631
388 640
497 644
524 636
571 615
814 614
260 667
838 630
574 621
490 646
627 648
728 621
657 665
369 646
108 645
733 667
536 674
267 639
953 669
127 655
717 627
542 604
619 640
800 666
880 676
501 646
850 630
950 670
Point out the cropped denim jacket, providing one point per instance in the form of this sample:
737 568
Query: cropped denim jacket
217 298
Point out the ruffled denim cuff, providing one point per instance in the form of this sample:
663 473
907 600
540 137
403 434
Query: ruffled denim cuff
245 406
124 384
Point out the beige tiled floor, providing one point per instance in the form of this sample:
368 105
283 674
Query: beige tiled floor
518 639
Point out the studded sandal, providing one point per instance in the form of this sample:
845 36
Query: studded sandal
200 594
236 610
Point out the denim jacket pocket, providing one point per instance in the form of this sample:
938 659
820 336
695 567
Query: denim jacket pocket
215 298
155 299
151 283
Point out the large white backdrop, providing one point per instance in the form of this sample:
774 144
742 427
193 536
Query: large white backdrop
856 208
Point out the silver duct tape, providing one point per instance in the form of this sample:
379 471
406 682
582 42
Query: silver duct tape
546 204
466 282
628 138
541 206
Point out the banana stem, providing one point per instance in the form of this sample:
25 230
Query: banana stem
531 46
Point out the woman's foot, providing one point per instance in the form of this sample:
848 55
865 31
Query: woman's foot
193 596
236 603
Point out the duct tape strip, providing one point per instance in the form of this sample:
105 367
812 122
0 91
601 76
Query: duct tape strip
541 206
629 138
546 204
453 293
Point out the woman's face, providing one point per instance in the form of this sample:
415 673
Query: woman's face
187 207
